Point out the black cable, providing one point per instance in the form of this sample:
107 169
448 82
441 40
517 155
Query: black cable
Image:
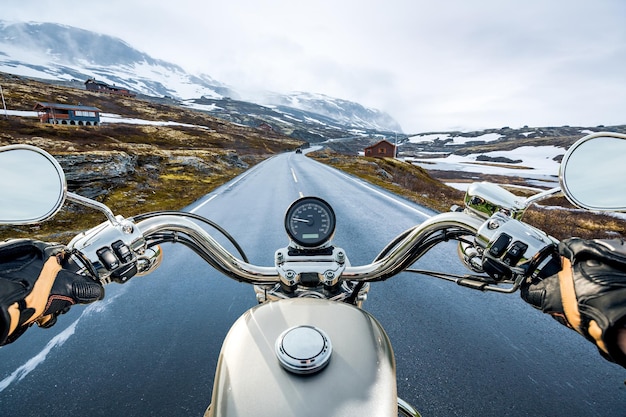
418 249
175 237
194 216
393 243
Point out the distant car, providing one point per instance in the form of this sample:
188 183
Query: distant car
298 150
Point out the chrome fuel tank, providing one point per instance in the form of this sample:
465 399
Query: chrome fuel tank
358 380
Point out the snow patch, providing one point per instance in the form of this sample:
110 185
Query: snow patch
453 139
537 164
116 118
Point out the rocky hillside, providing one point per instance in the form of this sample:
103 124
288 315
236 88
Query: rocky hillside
438 144
506 138
136 167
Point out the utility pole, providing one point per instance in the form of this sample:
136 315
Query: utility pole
395 147
4 105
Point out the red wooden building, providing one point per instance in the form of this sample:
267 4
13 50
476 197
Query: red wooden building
101 87
382 149
266 126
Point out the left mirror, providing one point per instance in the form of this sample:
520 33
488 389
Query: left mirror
32 185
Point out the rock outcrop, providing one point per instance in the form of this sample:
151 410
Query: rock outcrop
93 174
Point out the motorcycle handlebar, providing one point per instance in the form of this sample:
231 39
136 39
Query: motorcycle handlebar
504 248
416 242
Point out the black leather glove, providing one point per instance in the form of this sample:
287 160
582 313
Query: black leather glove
37 284
588 294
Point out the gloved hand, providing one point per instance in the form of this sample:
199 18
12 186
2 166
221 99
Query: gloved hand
588 294
37 284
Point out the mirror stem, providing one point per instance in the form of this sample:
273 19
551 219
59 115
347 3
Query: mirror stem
542 196
93 204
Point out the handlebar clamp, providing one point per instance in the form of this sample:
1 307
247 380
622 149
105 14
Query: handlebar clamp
310 268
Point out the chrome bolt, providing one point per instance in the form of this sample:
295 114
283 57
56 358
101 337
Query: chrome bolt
280 258
341 257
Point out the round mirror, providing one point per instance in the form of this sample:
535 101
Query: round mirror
593 172
32 185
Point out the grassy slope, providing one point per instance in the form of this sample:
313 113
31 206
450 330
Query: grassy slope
554 216
170 186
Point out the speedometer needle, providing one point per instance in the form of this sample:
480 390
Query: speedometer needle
298 219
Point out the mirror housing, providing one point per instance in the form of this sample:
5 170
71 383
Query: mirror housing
32 185
593 172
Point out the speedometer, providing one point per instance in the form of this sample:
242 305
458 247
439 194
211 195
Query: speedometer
310 222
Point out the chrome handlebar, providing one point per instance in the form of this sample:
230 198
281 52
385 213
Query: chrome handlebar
405 253
414 245
123 249
105 246
209 249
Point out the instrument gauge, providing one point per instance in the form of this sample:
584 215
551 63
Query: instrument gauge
310 222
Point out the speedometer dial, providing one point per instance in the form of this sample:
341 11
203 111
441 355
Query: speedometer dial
310 222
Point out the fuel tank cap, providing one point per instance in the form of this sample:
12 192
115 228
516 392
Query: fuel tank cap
303 349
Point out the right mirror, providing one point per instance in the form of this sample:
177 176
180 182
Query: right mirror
593 172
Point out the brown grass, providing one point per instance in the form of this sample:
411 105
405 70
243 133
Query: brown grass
402 178
170 188
555 216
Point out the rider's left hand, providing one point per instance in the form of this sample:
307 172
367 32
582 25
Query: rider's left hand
36 285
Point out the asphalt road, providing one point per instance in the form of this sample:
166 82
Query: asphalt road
150 349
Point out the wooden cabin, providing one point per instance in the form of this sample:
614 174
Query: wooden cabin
102 87
65 114
382 149
266 126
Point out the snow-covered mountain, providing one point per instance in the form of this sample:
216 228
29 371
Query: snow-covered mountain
343 111
58 52
52 51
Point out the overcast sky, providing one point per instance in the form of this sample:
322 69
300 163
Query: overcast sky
430 64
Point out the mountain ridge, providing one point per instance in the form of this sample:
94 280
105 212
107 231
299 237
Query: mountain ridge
65 53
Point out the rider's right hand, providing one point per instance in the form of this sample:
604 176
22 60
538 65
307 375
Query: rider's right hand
588 294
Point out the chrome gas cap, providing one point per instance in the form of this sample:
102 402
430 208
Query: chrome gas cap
303 349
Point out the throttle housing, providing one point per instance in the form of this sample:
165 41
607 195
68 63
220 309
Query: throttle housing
511 247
